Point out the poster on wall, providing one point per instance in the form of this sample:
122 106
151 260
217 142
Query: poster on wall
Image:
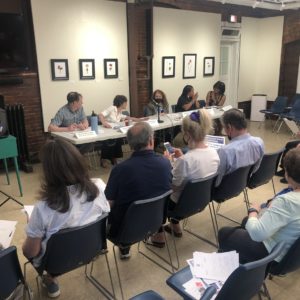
189 65
208 66
59 69
110 68
87 68
168 66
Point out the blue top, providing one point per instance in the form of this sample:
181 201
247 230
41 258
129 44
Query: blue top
65 117
242 151
144 175
181 102
280 222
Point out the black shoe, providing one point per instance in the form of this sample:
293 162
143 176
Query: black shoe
124 252
280 173
283 180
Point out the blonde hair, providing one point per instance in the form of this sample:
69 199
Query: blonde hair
197 128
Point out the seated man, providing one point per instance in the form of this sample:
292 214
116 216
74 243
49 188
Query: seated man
242 150
71 116
144 175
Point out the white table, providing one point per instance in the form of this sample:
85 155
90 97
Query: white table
170 120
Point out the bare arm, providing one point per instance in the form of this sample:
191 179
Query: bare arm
31 247
83 125
222 101
103 121
55 128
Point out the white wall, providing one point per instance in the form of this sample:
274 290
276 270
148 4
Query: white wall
76 29
176 32
260 55
298 81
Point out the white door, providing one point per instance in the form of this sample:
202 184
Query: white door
229 68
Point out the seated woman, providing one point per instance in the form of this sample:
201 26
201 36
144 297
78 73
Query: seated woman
216 98
160 98
69 199
280 221
200 161
187 100
112 150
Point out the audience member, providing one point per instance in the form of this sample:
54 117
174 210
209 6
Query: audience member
144 175
265 228
71 116
187 100
217 98
69 199
158 99
243 149
112 149
199 162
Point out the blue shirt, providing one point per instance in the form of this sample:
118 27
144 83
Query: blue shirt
243 150
66 117
144 175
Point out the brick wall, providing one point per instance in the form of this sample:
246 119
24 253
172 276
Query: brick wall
28 94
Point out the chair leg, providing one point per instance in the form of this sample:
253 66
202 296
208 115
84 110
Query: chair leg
97 284
279 127
223 216
18 176
168 262
6 170
273 187
118 272
246 197
265 291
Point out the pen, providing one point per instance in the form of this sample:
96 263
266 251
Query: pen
10 234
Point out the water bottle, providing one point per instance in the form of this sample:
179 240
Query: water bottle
94 122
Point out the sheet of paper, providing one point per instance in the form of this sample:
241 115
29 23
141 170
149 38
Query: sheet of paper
7 230
217 266
215 141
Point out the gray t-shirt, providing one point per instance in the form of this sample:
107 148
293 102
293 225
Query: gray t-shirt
65 117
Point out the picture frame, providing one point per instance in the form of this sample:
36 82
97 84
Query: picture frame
209 66
189 65
59 69
86 69
168 66
111 68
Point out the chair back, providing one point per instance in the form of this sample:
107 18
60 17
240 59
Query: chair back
232 184
289 263
279 105
194 197
71 248
266 170
294 99
247 279
10 270
142 218
295 110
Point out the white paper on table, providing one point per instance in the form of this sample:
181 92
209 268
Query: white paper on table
7 230
152 122
216 266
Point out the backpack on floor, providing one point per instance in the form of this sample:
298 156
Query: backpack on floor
3 124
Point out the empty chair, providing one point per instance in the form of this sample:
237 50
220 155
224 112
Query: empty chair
265 172
10 273
231 186
71 248
148 295
243 283
276 109
142 219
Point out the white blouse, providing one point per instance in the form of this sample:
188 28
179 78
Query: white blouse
112 115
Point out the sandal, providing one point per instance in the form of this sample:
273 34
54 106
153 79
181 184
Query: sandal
169 230
150 242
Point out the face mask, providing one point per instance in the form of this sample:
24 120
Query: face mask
158 99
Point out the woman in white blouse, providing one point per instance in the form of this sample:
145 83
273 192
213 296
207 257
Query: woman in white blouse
112 150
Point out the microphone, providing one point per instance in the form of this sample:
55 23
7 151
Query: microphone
158 106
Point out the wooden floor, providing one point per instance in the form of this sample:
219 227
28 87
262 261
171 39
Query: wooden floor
138 274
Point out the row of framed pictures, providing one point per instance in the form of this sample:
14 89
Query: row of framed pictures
189 66
60 68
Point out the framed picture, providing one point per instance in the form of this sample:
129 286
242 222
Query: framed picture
189 65
168 66
87 68
59 69
208 66
110 68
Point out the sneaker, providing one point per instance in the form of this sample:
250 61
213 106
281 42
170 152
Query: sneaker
283 180
51 286
124 252
280 173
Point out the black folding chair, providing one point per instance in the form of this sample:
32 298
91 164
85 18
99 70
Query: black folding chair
231 186
148 295
265 172
143 218
242 284
71 248
194 198
11 274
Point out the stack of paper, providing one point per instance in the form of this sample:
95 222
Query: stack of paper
7 230
210 269
214 141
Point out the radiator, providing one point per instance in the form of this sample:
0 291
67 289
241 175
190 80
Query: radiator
16 126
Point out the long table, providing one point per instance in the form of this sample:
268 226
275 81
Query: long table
169 121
